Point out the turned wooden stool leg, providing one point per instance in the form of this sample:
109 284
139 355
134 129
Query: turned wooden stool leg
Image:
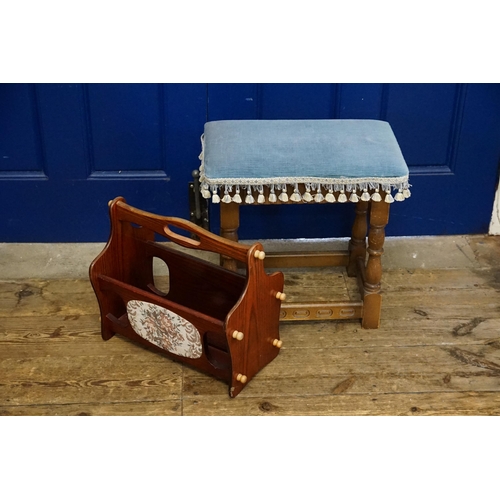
357 244
229 224
372 300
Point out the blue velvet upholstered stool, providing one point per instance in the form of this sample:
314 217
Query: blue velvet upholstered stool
311 161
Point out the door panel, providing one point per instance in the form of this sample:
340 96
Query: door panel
426 117
125 127
20 139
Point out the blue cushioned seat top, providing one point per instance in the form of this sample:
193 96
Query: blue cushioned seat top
364 153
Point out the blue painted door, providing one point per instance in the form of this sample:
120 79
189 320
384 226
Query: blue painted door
66 149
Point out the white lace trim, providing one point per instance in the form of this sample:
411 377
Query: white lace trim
368 188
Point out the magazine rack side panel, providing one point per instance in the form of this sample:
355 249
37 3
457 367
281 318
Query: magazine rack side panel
256 316
108 263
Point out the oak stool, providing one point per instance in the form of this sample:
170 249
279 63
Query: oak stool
246 162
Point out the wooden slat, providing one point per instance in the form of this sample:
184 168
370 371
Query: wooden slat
157 408
372 370
450 403
451 328
51 330
306 259
43 298
98 375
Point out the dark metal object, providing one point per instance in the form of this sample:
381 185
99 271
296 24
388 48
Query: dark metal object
198 206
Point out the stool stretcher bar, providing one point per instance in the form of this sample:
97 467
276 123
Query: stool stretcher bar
282 260
321 311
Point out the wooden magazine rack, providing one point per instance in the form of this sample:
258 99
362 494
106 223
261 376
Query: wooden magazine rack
218 321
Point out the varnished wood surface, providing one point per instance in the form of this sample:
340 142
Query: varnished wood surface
216 301
306 259
437 352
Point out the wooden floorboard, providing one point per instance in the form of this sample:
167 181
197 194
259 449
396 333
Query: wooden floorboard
451 403
143 408
437 352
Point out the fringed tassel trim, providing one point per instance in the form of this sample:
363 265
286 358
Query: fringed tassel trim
316 193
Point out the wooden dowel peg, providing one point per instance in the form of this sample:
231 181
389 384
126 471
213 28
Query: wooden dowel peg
259 254
277 343
280 296
241 378
238 335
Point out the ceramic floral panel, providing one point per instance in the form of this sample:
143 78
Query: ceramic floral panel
164 328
